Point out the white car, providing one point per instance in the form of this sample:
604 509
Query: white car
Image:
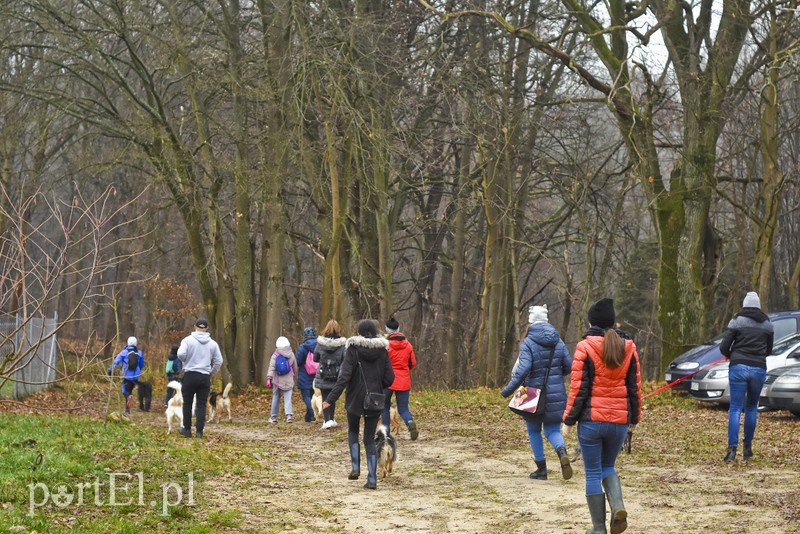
711 385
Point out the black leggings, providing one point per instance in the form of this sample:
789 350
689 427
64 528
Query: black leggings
199 384
370 426
329 411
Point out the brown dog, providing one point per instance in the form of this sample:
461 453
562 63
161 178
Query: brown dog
394 420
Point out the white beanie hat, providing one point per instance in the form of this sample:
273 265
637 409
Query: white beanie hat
537 314
132 341
282 342
751 300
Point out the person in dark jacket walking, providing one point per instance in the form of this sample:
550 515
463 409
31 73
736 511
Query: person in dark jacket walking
543 346
401 353
605 399
329 352
172 369
366 368
305 381
746 343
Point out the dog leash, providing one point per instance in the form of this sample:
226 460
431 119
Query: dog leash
626 445
678 381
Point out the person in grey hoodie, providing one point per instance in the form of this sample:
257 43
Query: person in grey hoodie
746 343
201 359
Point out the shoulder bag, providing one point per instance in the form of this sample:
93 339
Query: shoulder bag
372 401
529 402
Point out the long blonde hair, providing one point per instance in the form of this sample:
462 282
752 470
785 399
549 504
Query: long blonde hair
613 349
331 329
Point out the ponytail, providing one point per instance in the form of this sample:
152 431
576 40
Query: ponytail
613 349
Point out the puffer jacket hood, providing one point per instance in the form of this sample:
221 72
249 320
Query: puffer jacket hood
331 344
369 348
544 334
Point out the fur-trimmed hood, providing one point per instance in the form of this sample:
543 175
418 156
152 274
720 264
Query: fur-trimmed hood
368 342
369 349
331 342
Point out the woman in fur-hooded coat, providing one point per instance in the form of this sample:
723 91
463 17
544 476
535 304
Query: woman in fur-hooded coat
366 367
329 353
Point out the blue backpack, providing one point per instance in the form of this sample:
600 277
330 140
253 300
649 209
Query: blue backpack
282 365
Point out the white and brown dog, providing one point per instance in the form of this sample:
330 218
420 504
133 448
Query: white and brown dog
316 404
220 401
174 410
387 451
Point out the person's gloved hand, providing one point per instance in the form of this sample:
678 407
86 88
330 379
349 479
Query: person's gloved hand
269 382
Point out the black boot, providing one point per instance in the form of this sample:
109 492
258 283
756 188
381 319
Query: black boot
730 455
372 473
563 457
619 517
541 470
747 452
412 429
355 458
597 509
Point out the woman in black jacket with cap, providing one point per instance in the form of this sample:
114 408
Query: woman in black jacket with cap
366 368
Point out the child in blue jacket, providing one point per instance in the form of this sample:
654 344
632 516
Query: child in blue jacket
131 359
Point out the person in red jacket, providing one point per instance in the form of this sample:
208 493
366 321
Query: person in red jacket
605 399
403 360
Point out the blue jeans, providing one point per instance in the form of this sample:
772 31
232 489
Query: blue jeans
745 384
551 430
600 445
402 406
307 394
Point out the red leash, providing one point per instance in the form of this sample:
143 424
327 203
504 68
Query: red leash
678 381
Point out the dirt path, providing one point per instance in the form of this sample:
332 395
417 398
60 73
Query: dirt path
446 483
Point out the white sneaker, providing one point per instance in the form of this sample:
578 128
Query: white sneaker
334 423
326 425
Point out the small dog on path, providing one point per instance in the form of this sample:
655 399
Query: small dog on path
220 401
174 411
387 451
316 404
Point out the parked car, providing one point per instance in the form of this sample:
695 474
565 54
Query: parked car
784 323
781 391
711 385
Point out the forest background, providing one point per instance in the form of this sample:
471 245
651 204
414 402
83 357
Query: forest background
273 164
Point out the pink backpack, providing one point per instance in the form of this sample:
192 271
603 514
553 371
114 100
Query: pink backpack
311 366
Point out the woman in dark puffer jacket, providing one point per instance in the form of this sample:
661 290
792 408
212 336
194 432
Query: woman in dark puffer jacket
530 370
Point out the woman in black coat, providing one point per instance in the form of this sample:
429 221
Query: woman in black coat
366 368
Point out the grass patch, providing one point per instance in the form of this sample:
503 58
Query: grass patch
67 473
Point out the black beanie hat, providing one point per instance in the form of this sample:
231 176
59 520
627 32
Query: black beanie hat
392 324
601 313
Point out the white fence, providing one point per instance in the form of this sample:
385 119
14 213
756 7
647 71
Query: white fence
36 341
